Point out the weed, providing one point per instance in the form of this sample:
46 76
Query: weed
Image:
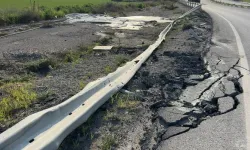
120 60
108 142
76 144
85 129
17 95
46 95
72 56
82 84
108 69
15 79
52 14
124 101
111 116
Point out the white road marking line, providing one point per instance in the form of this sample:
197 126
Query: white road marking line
245 79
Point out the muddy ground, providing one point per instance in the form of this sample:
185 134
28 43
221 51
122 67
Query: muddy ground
153 110
70 62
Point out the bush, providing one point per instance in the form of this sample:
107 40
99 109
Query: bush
141 6
49 14
60 14
2 21
12 18
28 16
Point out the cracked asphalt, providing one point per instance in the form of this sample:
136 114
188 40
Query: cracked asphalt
228 88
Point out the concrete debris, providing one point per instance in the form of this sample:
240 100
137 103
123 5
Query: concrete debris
225 104
166 114
103 48
173 131
127 23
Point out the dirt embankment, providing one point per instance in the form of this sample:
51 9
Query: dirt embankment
134 118
49 65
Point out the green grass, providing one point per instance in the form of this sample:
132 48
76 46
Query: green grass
8 4
16 96
246 1
25 12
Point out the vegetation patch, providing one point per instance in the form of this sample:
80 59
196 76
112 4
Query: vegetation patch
15 96
121 60
111 116
42 66
169 5
3 33
108 69
16 79
108 142
100 128
37 12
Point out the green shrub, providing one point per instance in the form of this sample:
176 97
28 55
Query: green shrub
49 14
141 6
12 18
60 14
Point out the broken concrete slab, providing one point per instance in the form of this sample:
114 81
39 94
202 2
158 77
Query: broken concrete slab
173 131
225 104
103 48
189 95
228 87
127 23
196 77
171 114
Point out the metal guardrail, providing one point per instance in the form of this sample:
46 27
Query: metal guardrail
232 4
190 3
45 130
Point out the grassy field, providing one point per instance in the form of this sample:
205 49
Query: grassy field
246 1
26 11
9 4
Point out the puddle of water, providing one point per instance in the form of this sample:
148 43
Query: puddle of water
126 23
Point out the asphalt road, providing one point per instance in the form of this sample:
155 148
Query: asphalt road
234 2
229 131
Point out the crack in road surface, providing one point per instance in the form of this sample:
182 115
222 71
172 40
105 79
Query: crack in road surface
191 92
